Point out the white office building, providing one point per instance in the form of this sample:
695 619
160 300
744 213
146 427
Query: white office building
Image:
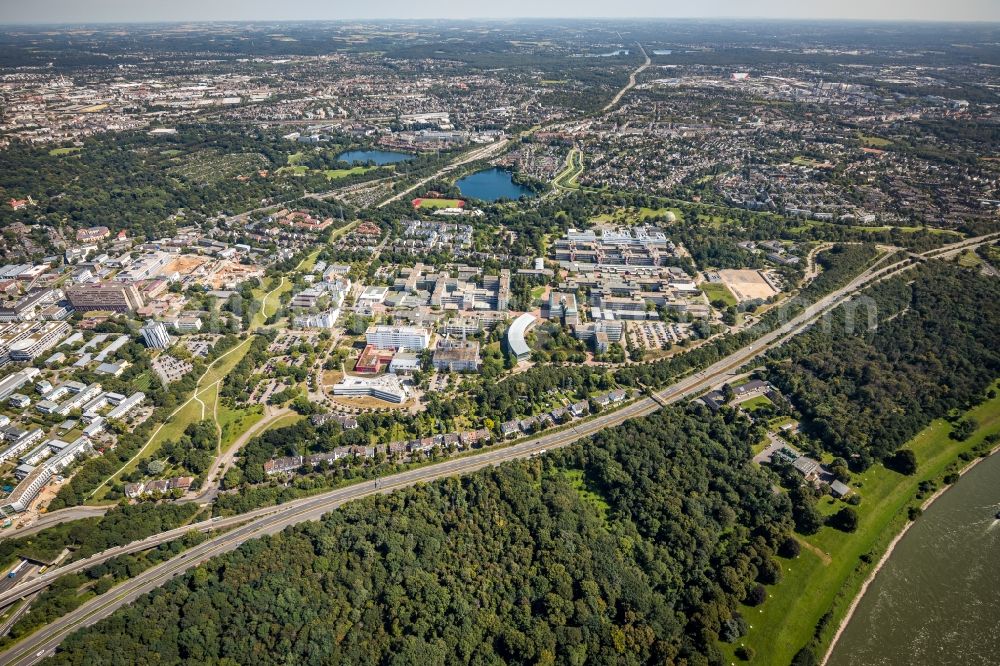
155 334
398 337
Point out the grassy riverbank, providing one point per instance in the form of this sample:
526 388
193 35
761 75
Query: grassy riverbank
818 587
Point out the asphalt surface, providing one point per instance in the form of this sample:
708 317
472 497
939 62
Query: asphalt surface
54 518
631 81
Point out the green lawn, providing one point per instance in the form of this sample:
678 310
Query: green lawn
969 259
58 152
717 291
235 422
829 572
874 141
286 420
636 215
566 179
755 403
333 174
802 160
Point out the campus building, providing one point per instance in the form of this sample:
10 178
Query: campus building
155 334
113 296
398 337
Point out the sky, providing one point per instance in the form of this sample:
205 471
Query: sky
94 11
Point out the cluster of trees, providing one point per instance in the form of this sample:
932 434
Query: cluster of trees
195 448
634 548
236 386
123 180
120 525
936 349
72 590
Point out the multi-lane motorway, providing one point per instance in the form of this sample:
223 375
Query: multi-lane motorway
274 519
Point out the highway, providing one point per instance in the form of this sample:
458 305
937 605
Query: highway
631 81
271 520
47 520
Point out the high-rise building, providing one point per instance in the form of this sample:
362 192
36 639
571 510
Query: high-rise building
114 296
155 334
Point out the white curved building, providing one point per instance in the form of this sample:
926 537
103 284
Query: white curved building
515 336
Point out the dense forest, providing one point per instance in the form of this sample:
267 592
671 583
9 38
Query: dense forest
634 547
936 348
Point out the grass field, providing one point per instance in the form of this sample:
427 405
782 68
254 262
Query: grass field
440 203
872 229
716 291
286 420
969 259
829 573
333 174
295 170
636 215
755 403
566 179
802 160
874 141
57 152
235 422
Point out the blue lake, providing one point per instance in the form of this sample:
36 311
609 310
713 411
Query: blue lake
379 157
492 185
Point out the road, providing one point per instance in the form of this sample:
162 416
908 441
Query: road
56 517
631 81
271 520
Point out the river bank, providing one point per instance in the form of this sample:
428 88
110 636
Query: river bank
852 609
820 586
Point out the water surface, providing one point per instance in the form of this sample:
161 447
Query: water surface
937 599
492 185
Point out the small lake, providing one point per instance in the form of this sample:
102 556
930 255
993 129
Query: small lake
379 157
492 185
937 599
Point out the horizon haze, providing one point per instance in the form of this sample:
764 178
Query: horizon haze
117 11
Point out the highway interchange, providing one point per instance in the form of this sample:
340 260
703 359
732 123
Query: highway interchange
271 520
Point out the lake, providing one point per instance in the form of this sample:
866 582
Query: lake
379 157
937 599
492 185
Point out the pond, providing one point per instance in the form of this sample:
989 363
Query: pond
379 157
492 185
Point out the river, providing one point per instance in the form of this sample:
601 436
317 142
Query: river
937 599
